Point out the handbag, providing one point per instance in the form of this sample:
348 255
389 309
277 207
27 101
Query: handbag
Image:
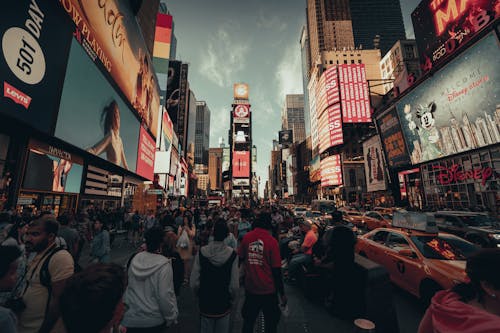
183 241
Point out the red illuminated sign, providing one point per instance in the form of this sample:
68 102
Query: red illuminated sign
331 171
241 164
241 111
16 95
442 26
454 174
330 128
354 94
146 155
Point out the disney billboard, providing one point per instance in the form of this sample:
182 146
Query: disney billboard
456 110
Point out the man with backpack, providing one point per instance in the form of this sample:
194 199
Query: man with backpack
46 276
215 280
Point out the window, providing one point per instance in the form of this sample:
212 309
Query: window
352 61
331 62
345 62
397 242
380 237
359 61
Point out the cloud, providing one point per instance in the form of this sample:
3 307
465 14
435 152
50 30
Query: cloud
270 22
288 74
224 56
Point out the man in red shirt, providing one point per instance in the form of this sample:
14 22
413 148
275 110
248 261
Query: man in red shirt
303 256
260 253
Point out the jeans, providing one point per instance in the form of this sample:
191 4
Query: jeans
270 308
296 262
215 325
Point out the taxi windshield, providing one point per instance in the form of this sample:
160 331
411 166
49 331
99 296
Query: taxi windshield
443 247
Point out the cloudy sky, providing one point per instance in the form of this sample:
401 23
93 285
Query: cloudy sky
252 41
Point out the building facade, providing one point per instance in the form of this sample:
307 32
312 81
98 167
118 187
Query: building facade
377 24
292 117
202 133
401 64
215 169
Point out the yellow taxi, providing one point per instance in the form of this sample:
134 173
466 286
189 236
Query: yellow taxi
418 258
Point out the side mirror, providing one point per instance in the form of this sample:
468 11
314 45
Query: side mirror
407 253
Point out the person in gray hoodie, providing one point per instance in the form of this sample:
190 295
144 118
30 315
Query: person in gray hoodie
215 280
150 292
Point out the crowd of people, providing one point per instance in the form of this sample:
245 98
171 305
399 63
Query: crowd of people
45 286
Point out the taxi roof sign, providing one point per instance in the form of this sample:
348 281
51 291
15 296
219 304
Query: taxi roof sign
415 221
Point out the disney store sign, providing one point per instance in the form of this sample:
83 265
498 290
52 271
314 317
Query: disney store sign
455 174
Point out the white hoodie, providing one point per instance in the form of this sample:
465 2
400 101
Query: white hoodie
150 292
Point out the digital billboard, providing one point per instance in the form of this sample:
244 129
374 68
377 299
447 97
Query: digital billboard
241 164
443 26
354 94
314 114
315 170
145 155
161 52
173 97
330 128
52 169
331 171
392 139
286 137
240 91
182 118
374 164
35 45
93 116
241 113
108 30
458 108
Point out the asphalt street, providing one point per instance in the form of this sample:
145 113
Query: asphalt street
304 316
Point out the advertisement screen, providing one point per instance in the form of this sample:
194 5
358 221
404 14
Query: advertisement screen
241 164
241 113
167 132
442 27
330 128
225 159
173 97
354 94
93 116
35 46
181 125
315 170
109 31
286 137
52 170
457 109
374 165
146 155
331 171
392 139
314 115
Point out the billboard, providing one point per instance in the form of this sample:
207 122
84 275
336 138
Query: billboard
93 116
240 91
241 113
167 132
458 108
52 169
311 87
286 137
145 155
331 171
330 128
392 139
108 30
315 170
374 165
354 93
161 52
241 164
173 97
182 117
35 46
441 27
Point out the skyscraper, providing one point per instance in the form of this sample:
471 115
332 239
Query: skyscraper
306 65
202 133
377 24
329 26
292 117
215 168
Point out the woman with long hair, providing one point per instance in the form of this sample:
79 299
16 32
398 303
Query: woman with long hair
469 308
185 243
112 142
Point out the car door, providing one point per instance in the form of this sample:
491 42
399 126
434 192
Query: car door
376 246
404 271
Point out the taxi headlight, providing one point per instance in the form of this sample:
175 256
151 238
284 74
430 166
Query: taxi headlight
495 236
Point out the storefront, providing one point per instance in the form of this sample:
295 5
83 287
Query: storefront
51 179
467 181
102 189
410 188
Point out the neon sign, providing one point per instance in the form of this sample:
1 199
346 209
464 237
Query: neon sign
445 15
454 174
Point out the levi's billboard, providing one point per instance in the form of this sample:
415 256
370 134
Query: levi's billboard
443 26
35 39
109 31
241 164
458 108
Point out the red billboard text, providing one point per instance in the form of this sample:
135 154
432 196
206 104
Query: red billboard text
241 164
354 94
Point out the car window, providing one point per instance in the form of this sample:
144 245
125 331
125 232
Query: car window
443 247
397 242
379 237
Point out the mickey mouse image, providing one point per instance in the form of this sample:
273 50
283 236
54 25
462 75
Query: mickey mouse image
429 139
